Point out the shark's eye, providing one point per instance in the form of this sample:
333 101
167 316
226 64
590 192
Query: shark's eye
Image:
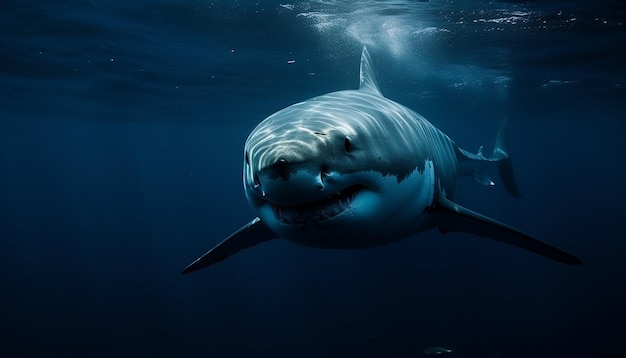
347 145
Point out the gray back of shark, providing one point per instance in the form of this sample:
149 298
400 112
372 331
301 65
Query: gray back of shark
353 169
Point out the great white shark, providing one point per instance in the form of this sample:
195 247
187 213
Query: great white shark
353 169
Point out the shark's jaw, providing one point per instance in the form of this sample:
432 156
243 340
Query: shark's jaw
360 212
317 211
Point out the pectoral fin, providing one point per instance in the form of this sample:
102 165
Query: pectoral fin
451 217
254 232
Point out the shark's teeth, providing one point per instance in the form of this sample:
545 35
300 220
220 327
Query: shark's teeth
316 211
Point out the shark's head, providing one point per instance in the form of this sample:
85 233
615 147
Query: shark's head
325 172
334 171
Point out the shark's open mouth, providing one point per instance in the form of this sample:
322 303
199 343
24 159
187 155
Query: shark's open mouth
318 210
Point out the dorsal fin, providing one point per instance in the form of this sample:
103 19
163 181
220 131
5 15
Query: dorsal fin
368 80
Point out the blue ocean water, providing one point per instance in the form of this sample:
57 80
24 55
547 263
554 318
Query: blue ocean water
121 133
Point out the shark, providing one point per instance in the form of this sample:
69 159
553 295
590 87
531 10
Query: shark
353 169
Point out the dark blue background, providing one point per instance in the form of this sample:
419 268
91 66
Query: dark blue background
121 136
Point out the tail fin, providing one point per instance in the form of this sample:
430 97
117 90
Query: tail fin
477 165
503 161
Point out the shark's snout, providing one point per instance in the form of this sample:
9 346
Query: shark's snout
287 184
298 167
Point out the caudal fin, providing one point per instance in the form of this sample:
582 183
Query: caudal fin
477 165
502 159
